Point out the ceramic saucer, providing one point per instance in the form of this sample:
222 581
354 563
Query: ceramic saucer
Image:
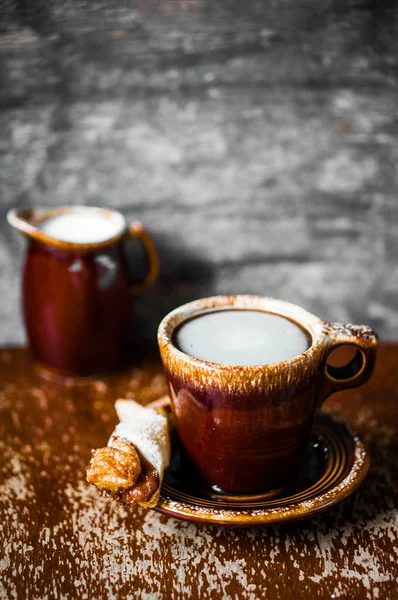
336 463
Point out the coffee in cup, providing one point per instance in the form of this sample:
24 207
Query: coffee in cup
241 337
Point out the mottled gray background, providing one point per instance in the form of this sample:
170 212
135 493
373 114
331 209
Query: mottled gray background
257 140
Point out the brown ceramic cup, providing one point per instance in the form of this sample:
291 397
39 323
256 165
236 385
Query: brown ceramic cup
77 297
246 427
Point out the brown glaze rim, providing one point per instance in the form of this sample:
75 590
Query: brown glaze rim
296 371
27 219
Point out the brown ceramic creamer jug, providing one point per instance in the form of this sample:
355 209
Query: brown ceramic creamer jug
77 288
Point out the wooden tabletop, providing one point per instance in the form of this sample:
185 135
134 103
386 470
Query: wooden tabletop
62 539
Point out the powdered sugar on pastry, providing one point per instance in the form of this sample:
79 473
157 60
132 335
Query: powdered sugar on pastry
146 430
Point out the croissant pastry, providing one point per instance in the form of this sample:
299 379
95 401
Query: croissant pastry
130 468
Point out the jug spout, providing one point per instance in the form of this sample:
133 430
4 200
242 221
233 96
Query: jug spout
25 220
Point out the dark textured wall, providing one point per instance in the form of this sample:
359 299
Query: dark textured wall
257 140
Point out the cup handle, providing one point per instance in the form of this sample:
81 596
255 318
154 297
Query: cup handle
359 369
137 231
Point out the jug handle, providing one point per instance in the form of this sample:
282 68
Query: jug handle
137 231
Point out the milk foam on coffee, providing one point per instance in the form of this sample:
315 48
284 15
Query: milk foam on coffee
241 337
81 228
